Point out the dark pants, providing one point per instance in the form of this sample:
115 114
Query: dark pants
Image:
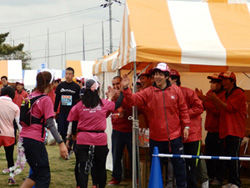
119 141
179 165
37 158
63 124
232 148
99 165
214 147
9 155
191 148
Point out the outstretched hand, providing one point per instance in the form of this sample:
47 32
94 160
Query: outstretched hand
125 81
200 94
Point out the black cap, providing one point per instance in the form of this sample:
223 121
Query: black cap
89 83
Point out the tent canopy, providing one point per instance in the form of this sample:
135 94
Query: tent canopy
12 69
81 68
191 36
106 64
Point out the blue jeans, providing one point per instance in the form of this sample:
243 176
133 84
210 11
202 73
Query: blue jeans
179 164
119 141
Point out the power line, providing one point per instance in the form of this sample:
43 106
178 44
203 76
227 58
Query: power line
57 32
57 49
68 53
46 19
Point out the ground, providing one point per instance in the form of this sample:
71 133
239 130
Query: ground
62 172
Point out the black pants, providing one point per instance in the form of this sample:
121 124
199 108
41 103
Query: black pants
191 148
232 148
214 147
9 155
98 169
63 124
179 166
37 158
120 140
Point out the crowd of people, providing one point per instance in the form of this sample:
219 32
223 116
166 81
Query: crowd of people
171 112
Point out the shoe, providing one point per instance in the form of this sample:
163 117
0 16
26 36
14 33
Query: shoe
227 185
113 181
6 171
205 184
234 186
11 181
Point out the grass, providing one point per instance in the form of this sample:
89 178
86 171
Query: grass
62 172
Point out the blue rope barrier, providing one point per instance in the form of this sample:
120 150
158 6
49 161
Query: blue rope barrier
202 157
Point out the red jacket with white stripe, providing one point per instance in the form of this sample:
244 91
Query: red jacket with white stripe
167 111
233 118
195 109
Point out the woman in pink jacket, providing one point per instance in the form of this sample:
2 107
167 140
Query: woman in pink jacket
91 140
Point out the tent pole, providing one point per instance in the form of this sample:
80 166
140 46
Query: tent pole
136 182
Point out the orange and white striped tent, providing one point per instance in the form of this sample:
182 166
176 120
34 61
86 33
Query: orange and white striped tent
12 69
81 68
106 64
212 35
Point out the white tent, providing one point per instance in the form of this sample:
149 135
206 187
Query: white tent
12 69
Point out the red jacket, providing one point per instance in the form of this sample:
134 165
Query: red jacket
195 110
167 108
213 113
19 97
233 118
120 120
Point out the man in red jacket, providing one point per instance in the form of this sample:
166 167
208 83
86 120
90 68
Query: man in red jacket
168 117
232 123
213 144
192 144
121 134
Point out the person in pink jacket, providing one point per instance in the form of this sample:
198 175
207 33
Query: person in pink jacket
168 120
9 112
192 144
91 140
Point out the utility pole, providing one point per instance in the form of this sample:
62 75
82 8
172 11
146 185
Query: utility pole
110 27
109 3
102 39
48 48
65 48
62 56
83 43
29 41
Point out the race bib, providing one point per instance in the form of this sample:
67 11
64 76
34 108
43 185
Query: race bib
66 100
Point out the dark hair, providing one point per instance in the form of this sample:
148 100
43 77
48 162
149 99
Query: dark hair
4 77
177 78
43 81
117 77
70 69
9 91
91 99
166 73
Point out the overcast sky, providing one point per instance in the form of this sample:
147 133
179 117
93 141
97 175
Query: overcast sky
28 22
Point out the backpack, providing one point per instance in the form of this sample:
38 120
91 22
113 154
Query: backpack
25 112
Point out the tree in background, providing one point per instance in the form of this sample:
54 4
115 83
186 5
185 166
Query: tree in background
8 52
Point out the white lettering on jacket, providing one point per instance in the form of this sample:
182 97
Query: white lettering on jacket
67 90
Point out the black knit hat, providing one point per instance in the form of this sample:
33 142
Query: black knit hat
89 83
